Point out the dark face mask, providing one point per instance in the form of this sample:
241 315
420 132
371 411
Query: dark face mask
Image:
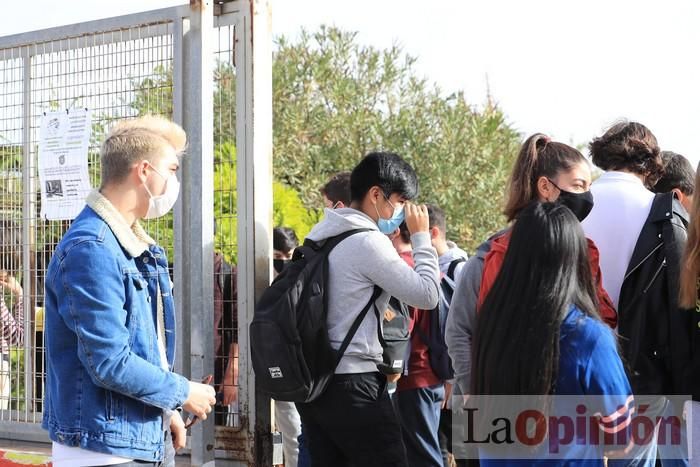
579 203
279 264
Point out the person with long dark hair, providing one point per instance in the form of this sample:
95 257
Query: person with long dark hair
544 170
555 342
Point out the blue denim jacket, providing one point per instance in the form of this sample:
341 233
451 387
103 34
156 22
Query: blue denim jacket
106 389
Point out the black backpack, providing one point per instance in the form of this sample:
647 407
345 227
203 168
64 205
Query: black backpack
395 337
435 338
291 352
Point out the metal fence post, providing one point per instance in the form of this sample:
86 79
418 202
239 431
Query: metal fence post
198 204
181 360
28 215
254 152
119 67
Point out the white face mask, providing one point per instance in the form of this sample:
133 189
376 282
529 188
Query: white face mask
160 205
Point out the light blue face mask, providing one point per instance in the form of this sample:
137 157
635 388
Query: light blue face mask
388 226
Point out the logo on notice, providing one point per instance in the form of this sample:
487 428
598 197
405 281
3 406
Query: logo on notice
275 372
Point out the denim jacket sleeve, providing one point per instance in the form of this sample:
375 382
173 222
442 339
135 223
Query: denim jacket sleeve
94 309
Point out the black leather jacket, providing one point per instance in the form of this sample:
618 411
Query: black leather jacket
654 332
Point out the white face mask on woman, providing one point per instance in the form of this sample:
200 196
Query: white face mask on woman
160 205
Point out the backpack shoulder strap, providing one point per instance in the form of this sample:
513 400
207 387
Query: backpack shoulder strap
331 242
356 324
453 266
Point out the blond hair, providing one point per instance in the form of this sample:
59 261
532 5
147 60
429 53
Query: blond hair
130 141
690 267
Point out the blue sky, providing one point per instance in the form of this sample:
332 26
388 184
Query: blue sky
564 68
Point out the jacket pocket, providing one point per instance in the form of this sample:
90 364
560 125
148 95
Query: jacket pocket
114 407
139 313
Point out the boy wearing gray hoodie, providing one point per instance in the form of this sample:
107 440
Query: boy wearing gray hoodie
353 422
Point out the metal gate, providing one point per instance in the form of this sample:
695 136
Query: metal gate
194 64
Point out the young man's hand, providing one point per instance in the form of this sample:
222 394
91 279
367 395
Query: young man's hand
229 388
416 217
394 377
448 396
177 429
200 400
230 394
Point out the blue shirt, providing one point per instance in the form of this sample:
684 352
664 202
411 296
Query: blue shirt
589 365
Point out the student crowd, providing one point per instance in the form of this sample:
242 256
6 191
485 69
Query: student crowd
591 290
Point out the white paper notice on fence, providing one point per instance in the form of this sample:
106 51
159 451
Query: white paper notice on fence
64 138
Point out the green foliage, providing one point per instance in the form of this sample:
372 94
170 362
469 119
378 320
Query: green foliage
155 93
225 201
154 96
288 210
17 394
335 100
224 103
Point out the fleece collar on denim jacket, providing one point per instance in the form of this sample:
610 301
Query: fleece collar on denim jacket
132 238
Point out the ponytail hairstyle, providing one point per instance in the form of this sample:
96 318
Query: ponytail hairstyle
690 267
539 156
629 146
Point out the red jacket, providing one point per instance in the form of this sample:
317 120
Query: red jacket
420 374
494 260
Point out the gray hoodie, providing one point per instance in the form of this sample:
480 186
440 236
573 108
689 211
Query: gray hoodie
450 255
355 266
461 320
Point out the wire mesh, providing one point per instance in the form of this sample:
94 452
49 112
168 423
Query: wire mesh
225 303
116 74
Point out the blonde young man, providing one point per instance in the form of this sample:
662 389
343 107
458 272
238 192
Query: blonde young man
111 394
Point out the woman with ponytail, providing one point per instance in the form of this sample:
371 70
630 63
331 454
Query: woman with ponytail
555 344
545 171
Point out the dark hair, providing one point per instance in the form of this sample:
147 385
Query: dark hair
629 146
284 239
386 170
516 345
436 218
338 188
539 156
678 173
405 234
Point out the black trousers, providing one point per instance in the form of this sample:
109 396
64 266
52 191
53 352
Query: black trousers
353 424
445 437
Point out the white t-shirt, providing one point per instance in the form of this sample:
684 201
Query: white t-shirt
65 456
621 206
